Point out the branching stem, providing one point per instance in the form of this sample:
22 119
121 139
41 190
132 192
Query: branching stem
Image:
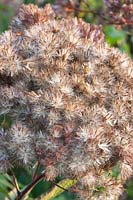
30 187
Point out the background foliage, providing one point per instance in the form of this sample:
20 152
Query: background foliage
121 38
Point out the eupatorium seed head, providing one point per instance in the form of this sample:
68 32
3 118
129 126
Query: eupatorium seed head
76 116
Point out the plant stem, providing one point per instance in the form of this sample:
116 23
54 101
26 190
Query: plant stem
36 171
30 187
16 184
58 189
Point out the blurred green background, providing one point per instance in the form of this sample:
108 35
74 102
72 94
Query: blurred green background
122 39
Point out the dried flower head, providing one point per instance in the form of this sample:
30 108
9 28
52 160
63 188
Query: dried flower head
70 98
120 11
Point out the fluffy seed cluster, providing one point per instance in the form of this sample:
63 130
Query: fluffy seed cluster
69 96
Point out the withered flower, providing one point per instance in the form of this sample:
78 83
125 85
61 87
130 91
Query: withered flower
70 98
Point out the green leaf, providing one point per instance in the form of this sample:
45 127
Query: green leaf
116 171
5 182
5 121
113 35
66 183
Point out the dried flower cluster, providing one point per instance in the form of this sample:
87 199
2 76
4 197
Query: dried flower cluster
69 95
120 11
65 8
